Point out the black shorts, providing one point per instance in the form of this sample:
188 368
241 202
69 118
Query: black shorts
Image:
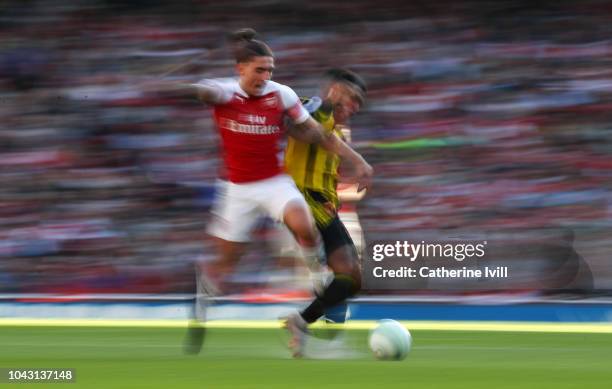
335 235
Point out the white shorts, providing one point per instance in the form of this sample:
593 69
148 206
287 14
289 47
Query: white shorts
237 207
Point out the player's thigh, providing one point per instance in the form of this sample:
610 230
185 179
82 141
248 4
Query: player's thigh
353 226
341 252
285 203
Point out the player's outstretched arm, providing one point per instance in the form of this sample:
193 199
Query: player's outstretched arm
348 192
310 131
205 93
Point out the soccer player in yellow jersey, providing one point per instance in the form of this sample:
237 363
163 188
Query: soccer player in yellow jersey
315 172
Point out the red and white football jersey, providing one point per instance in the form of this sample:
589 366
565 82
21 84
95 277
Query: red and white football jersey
251 127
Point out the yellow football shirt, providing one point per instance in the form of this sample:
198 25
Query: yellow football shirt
314 169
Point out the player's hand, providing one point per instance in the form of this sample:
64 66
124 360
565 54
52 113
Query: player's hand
363 175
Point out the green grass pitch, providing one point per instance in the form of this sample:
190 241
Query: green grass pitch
120 357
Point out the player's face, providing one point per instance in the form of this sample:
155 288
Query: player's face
346 101
255 73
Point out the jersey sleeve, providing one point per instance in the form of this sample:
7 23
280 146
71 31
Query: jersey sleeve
311 104
293 106
222 90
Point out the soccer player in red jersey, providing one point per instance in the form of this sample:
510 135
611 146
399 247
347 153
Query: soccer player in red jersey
249 112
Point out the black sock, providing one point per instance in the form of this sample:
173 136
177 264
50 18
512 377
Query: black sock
341 288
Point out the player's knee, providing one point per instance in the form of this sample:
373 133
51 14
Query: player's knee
300 222
305 234
343 261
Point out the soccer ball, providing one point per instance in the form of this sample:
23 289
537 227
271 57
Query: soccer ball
390 340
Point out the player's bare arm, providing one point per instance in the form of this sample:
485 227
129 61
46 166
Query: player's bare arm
347 192
310 131
205 93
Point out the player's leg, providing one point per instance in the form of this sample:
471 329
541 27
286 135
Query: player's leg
342 259
287 255
285 203
351 222
214 272
209 283
233 216
298 219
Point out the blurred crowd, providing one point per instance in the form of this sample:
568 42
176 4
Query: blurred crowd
485 117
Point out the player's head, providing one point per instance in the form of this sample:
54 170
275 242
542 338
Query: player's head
346 91
254 60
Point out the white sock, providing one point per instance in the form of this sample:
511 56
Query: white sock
314 257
